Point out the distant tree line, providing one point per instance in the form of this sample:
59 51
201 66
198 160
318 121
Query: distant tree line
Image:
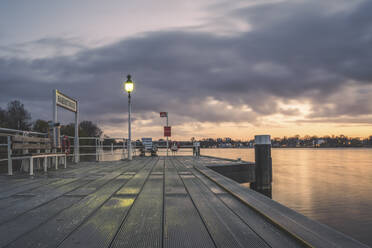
323 141
15 116
295 141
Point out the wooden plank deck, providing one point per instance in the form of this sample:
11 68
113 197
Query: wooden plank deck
149 202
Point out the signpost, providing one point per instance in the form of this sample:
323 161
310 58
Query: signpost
167 132
70 104
167 129
66 102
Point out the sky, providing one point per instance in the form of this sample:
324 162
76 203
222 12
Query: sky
219 68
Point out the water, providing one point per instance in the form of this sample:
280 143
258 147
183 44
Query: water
332 186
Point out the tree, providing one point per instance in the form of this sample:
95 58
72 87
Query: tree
17 116
86 129
68 129
40 126
3 118
89 129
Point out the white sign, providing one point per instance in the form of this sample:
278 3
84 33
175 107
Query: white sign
66 102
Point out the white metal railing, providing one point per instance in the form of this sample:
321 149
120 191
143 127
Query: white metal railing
101 148
21 131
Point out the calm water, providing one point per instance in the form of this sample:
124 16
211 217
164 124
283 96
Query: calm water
332 186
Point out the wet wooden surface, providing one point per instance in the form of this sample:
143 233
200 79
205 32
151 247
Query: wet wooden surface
149 202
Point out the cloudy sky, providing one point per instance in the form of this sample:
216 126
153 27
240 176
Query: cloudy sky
220 68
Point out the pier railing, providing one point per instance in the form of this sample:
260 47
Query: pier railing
95 148
107 148
92 148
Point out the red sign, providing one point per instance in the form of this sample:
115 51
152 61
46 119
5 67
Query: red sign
163 114
167 131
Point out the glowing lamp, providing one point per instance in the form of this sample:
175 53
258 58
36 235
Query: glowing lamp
128 85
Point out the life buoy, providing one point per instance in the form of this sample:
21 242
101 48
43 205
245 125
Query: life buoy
66 145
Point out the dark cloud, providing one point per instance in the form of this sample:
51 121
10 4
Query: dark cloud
360 120
303 51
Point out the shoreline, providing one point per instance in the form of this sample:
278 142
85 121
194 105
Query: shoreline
273 147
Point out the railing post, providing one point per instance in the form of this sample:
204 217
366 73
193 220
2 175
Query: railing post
76 140
45 163
38 159
31 166
10 167
100 150
96 140
123 148
112 148
134 148
263 171
25 163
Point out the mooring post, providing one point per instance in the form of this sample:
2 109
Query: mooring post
263 162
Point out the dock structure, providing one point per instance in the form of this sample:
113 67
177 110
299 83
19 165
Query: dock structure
149 202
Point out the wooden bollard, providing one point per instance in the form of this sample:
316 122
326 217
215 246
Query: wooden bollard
263 162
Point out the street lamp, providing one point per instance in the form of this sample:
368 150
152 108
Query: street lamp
128 87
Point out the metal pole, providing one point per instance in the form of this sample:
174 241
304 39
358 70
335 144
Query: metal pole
55 106
10 166
55 117
134 148
101 150
123 148
97 159
129 130
167 136
76 143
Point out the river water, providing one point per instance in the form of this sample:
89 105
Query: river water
332 186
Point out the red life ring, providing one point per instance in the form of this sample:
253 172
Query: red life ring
66 145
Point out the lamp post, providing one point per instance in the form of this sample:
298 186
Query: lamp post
129 86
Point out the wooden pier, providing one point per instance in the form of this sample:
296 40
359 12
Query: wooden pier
149 202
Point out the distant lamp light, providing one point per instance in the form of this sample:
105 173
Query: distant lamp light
128 85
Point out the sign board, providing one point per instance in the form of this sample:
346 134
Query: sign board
167 131
147 143
66 102
163 114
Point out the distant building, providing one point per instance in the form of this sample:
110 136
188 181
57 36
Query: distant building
319 142
225 145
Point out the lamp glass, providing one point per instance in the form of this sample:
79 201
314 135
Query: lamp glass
128 86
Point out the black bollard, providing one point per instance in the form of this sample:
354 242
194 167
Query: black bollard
263 171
